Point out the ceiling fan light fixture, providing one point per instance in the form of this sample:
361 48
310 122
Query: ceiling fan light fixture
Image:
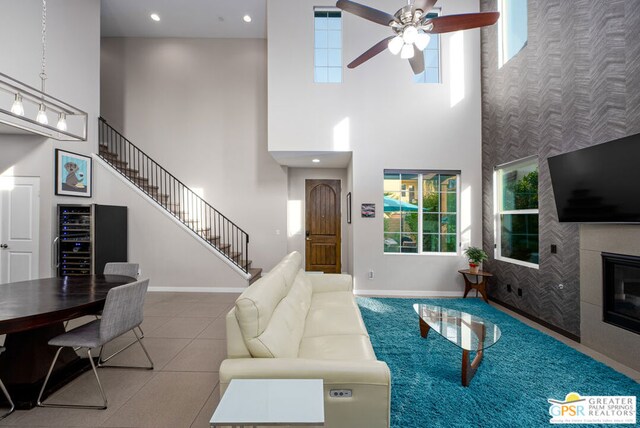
422 41
410 34
395 45
407 51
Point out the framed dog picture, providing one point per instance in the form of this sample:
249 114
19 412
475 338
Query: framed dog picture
74 174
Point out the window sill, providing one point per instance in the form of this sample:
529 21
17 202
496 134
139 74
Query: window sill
518 262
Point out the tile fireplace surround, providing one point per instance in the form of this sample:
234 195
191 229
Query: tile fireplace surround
615 342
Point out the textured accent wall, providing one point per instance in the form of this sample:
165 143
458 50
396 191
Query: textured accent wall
575 84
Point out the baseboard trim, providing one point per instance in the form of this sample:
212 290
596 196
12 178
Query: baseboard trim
540 321
197 289
409 293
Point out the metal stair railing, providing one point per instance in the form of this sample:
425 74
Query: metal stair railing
174 196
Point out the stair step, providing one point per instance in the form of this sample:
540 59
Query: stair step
118 163
108 154
256 274
233 254
129 172
245 263
223 246
139 180
149 187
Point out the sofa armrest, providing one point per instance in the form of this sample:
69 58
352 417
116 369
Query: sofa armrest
327 282
331 371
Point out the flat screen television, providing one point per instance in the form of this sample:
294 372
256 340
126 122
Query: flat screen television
599 184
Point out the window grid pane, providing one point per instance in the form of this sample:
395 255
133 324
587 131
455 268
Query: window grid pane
328 47
518 211
406 213
431 73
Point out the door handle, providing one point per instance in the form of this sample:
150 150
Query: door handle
308 239
4 246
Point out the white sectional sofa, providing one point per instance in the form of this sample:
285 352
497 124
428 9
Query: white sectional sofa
293 325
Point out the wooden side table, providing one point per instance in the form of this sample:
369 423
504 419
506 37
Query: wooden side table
480 284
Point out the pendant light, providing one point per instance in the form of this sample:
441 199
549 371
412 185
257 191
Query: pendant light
27 108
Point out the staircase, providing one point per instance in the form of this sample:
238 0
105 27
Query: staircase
215 230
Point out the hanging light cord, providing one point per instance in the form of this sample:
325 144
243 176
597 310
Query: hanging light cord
43 74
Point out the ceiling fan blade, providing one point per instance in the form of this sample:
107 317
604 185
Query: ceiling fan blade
467 21
424 5
373 51
417 62
365 12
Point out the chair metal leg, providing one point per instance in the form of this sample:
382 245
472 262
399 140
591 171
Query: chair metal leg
141 332
73 406
6 394
138 340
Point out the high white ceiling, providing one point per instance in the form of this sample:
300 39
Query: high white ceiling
184 18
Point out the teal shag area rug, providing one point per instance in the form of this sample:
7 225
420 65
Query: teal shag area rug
511 387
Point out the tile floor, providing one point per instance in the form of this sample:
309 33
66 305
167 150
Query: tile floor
185 335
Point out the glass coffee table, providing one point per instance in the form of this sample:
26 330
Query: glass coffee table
468 332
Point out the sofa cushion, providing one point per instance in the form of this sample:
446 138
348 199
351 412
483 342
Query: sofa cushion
289 267
301 291
281 338
256 304
325 321
337 347
332 299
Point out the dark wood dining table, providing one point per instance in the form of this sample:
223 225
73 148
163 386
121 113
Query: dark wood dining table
32 313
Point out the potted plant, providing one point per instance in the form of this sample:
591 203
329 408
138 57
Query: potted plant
476 256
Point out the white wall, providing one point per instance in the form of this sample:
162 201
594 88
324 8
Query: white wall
167 254
388 122
73 68
296 211
199 108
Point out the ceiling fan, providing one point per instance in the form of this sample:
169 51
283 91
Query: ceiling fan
412 28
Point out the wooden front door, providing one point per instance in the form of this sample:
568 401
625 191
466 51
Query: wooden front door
323 226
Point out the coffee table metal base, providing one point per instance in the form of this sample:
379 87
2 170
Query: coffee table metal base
469 368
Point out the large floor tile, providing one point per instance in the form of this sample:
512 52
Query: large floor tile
216 330
166 308
161 350
119 385
206 309
168 400
201 355
181 327
203 418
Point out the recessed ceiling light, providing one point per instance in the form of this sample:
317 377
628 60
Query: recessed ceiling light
246 18
155 17
316 161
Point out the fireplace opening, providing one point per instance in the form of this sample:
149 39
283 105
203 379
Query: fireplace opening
621 285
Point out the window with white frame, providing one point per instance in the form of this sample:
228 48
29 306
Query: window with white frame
421 211
512 28
328 45
516 190
431 73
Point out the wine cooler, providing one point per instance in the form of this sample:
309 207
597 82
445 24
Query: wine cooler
89 236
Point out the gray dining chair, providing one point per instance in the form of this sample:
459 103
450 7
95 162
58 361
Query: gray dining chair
123 312
6 394
124 269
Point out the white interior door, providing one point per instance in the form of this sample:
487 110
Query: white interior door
19 228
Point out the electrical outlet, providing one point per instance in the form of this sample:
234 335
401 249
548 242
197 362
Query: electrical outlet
519 292
509 288
371 274
554 249
340 393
